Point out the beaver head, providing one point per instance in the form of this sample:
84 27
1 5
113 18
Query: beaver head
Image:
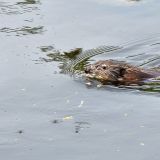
116 72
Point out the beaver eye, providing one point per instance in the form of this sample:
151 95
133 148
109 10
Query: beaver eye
104 66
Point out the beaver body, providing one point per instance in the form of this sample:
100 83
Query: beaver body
118 72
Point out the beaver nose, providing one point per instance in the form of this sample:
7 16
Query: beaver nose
87 70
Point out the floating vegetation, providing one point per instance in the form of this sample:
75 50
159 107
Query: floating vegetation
19 7
155 89
56 55
64 57
84 56
75 60
26 30
46 48
152 87
29 2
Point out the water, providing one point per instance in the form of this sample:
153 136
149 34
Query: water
47 115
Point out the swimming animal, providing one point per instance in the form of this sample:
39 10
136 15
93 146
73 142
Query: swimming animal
119 73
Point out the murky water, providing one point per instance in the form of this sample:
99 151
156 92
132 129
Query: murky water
47 115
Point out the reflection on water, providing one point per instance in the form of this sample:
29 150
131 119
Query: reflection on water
26 30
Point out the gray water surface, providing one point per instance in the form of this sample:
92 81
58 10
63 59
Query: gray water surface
47 115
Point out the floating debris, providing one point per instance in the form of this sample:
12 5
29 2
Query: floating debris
46 48
81 104
99 85
25 6
26 30
88 84
20 131
28 2
67 118
56 121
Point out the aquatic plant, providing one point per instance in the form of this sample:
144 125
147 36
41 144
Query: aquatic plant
29 2
25 30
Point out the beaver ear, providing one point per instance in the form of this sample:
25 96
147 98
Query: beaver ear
122 71
118 72
114 73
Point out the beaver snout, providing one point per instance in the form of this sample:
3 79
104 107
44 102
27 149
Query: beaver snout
87 70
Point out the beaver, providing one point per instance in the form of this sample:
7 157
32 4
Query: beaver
118 73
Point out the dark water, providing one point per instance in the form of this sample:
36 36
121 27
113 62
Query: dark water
47 115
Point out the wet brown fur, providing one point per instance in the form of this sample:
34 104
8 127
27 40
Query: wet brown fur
117 72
